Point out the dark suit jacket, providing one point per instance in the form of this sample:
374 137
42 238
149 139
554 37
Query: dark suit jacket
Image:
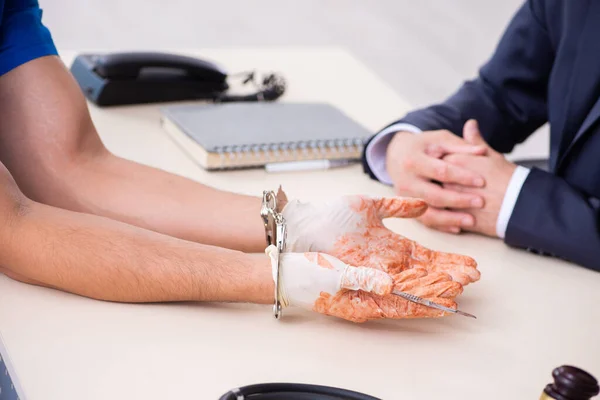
546 68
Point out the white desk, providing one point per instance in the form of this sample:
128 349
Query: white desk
534 313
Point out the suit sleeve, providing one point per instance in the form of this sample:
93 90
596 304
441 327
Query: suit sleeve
508 97
552 218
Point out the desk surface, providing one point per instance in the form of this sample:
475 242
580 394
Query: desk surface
534 313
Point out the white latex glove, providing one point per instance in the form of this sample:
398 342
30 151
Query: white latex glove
306 277
324 284
351 229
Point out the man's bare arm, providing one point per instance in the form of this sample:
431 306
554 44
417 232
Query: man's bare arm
109 260
50 145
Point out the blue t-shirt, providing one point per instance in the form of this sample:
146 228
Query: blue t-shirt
23 37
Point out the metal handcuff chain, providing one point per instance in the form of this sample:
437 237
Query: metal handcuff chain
275 234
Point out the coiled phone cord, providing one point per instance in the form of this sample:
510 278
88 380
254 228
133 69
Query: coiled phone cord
293 391
268 88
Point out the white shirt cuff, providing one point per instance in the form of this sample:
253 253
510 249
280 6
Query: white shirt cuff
510 199
376 150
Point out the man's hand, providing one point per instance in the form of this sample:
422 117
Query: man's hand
324 284
415 160
351 229
497 171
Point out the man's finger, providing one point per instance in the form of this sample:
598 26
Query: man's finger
461 189
449 229
457 188
367 279
468 161
460 273
472 135
409 275
427 280
453 271
445 172
439 257
439 197
447 289
442 149
446 219
399 207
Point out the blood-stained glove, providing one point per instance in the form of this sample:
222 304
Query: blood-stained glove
351 229
322 283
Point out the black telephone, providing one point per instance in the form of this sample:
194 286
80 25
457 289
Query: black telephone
150 77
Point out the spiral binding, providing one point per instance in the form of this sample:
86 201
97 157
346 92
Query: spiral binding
260 154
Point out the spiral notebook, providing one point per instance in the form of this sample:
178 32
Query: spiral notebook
250 135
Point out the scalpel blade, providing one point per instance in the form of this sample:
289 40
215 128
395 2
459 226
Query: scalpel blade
429 303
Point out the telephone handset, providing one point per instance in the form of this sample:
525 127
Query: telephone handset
150 77
137 65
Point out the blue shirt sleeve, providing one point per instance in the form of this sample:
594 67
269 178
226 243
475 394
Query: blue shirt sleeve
23 37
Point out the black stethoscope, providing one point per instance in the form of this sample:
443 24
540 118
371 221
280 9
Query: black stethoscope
292 391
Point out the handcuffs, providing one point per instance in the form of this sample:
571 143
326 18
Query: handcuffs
275 234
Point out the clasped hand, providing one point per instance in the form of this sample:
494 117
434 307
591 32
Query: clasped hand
464 180
342 261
